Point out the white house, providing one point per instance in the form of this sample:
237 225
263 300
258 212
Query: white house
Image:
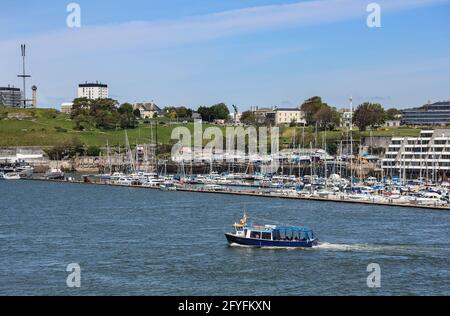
148 109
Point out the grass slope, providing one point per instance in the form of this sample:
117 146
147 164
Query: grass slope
45 127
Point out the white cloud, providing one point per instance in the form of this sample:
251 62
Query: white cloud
206 27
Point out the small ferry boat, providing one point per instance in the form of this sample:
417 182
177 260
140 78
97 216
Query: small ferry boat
271 236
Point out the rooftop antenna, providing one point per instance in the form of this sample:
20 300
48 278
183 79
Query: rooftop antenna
24 76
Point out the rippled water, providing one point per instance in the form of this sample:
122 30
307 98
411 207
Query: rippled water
147 242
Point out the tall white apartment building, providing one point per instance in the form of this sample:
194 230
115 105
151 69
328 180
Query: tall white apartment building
93 91
426 156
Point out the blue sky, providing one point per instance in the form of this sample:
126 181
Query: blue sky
244 52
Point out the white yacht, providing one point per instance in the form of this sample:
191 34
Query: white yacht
153 183
125 181
25 171
12 176
54 174
168 186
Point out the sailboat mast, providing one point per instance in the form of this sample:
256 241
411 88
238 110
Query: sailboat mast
351 142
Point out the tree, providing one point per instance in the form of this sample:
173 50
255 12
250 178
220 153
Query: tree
221 111
66 149
248 118
216 112
310 107
393 114
137 113
181 112
369 114
93 151
127 118
172 115
99 113
327 118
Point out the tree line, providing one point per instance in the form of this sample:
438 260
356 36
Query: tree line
325 117
108 114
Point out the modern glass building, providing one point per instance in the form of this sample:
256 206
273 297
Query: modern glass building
431 114
10 96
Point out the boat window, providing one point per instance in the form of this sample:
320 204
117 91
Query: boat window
256 235
239 229
276 235
267 236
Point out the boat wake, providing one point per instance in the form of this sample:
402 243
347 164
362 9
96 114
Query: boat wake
347 247
383 248
391 250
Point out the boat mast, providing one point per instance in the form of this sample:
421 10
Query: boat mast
351 142
109 156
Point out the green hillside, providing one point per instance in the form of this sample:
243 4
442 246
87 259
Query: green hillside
42 127
46 127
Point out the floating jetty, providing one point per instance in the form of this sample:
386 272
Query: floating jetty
334 198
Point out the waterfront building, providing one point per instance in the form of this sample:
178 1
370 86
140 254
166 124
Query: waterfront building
10 96
148 109
66 107
426 156
288 116
28 155
430 114
93 91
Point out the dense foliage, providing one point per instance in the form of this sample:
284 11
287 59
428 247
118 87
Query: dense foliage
102 114
320 114
216 112
181 112
369 114
393 114
248 118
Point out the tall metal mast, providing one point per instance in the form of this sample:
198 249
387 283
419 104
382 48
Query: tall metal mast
24 76
351 142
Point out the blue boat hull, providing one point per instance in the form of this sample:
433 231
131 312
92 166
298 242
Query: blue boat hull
250 242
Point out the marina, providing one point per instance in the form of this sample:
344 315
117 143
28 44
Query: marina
225 156
427 199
